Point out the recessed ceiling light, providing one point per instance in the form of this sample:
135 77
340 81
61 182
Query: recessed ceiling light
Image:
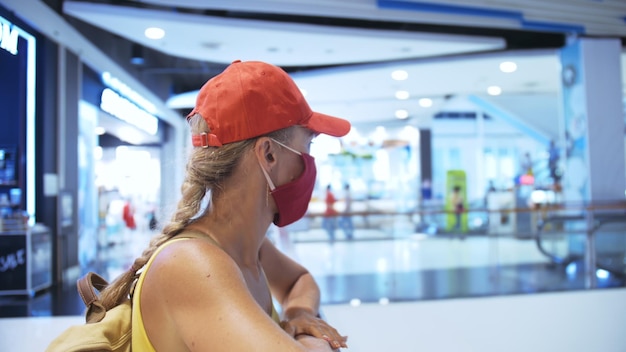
399 75
100 130
402 95
494 90
425 102
154 33
508 66
402 114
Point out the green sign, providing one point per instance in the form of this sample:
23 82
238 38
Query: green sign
456 201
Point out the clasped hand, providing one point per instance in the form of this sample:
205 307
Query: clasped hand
306 323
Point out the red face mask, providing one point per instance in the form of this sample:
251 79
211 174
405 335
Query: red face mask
292 199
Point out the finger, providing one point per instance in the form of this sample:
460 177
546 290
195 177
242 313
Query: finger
340 341
344 341
328 339
322 329
336 343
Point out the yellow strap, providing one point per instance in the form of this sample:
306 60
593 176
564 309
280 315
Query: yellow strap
140 337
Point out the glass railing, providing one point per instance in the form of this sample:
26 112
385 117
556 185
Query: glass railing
540 248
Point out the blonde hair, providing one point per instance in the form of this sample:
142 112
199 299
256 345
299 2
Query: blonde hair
206 170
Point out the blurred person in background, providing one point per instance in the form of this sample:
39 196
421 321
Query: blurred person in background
329 221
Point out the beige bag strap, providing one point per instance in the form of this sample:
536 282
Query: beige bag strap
92 281
86 285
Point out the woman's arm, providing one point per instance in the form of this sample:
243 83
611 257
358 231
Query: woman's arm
295 288
195 298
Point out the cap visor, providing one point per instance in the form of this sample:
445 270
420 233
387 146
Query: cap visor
326 124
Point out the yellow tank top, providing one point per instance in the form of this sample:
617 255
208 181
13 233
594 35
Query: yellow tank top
140 341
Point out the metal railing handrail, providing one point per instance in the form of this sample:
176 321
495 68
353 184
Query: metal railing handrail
538 238
595 217
594 214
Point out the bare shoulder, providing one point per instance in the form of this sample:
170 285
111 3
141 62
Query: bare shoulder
183 263
194 295
187 286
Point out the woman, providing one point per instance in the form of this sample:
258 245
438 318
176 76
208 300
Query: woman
214 291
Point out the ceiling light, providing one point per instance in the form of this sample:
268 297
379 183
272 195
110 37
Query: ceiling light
154 33
402 114
100 130
425 102
399 75
494 90
402 95
508 66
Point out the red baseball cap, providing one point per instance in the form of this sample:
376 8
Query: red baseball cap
252 98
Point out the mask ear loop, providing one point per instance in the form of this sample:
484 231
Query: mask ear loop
270 185
286 146
267 178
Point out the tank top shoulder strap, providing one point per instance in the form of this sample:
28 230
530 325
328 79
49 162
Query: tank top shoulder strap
195 234
140 341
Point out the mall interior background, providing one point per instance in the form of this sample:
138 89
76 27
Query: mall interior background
79 161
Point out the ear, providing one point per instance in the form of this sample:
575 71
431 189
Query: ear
264 151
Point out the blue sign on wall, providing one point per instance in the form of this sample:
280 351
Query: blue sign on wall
17 103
